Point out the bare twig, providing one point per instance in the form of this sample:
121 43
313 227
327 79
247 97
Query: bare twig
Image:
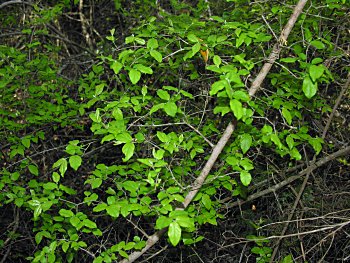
290 216
15 2
337 102
311 167
284 230
83 24
208 7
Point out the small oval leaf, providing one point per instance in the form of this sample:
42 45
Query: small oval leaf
174 233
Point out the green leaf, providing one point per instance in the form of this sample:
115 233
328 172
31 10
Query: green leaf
62 163
107 138
214 68
195 48
26 142
55 177
163 137
123 254
288 60
192 37
276 140
38 237
113 210
134 76
236 107
33 169
129 245
217 60
163 222
65 246
287 259
163 94
90 224
75 161
235 78
116 66
286 114
170 108
206 201
75 221
290 141
317 44
316 72
66 213
156 55
309 87
316 143
246 164
95 183
156 108
128 150
158 154
99 89
246 142
217 86
294 153
174 233
223 110
37 211
124 137
143 69
100 207
185 221
49 186
241 95
316 61
240 40
245 177
95 116
152 43
140 41
186 94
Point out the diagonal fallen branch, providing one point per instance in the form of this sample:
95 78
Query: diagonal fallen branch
153 239
289 180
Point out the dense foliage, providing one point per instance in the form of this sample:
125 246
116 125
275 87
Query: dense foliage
110 109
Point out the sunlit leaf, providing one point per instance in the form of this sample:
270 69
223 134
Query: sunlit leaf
217 60
156 55
286 114
128 150
66 213
163 94
75 161
236 107
309 87
152 43
245 177
170 108
134 76
316 72
206 201
174 233
246 142
317 44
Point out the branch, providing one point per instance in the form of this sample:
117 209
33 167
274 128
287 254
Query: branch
337 102
14 2
310 168
227 134
277 48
